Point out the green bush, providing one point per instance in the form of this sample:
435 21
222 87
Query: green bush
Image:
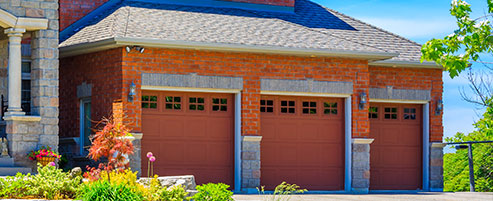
49 183
14 187
213 192
106 191
175 193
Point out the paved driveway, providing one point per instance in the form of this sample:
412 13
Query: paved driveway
461 196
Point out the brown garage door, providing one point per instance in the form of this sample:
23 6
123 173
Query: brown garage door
190 134
303 142
396 153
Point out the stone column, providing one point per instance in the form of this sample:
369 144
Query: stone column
15 71
436 166
135 159
23 135
250 163
360 179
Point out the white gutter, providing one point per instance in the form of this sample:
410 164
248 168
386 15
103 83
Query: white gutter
406 64
158 43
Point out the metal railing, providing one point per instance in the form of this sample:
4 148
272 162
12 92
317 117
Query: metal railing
468 145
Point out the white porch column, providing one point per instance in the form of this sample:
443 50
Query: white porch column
15 71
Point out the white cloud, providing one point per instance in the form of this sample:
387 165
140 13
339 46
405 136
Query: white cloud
413 28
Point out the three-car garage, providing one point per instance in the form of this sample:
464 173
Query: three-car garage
303 140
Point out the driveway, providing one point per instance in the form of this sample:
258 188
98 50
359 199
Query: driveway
460 196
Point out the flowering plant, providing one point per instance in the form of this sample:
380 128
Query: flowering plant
45 151
150 164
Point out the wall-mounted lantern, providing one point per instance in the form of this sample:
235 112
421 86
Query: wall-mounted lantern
439 107
362 100
132 92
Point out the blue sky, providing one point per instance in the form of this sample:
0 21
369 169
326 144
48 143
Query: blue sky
420 20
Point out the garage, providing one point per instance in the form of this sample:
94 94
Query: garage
396 153
190 134
303 142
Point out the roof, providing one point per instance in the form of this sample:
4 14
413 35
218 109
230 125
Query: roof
309 27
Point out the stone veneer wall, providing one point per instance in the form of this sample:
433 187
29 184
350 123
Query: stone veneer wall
250 163
29 134
436 167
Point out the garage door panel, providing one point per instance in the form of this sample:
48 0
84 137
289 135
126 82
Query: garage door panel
171 128
396 153
189 141
304 149
195 128
285 130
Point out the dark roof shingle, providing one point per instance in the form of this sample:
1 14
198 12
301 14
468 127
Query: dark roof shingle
311 26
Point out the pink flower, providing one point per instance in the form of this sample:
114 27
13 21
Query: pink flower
152 158
149 154
52 164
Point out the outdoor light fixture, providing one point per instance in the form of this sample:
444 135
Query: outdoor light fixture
138 48
362 100
439 107
131 92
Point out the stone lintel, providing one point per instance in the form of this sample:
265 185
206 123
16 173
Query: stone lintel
362 140
192 81
390 93
307 86
252 138
22 118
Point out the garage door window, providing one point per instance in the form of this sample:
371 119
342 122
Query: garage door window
330 108
390 113
220 104
149 102
410 113
288 107
173 102
309 107
196 103
267 106
373 113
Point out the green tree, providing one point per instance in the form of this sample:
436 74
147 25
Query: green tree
472 38
455 53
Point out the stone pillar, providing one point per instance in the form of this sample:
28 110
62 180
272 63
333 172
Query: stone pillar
250 163
360 179
15 71
135 159
23 135
436 166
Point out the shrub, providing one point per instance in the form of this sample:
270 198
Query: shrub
174 193
282 192
14 187
49 183
106 191
213 192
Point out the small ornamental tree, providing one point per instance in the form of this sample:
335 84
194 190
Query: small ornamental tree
111 143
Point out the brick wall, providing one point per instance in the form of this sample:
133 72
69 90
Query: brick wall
413 78
252 67
73 10
103 71
289 3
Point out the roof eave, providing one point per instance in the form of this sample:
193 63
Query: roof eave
85 48
406 64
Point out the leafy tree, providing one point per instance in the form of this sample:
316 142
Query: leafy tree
473 37
110 143
455 53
